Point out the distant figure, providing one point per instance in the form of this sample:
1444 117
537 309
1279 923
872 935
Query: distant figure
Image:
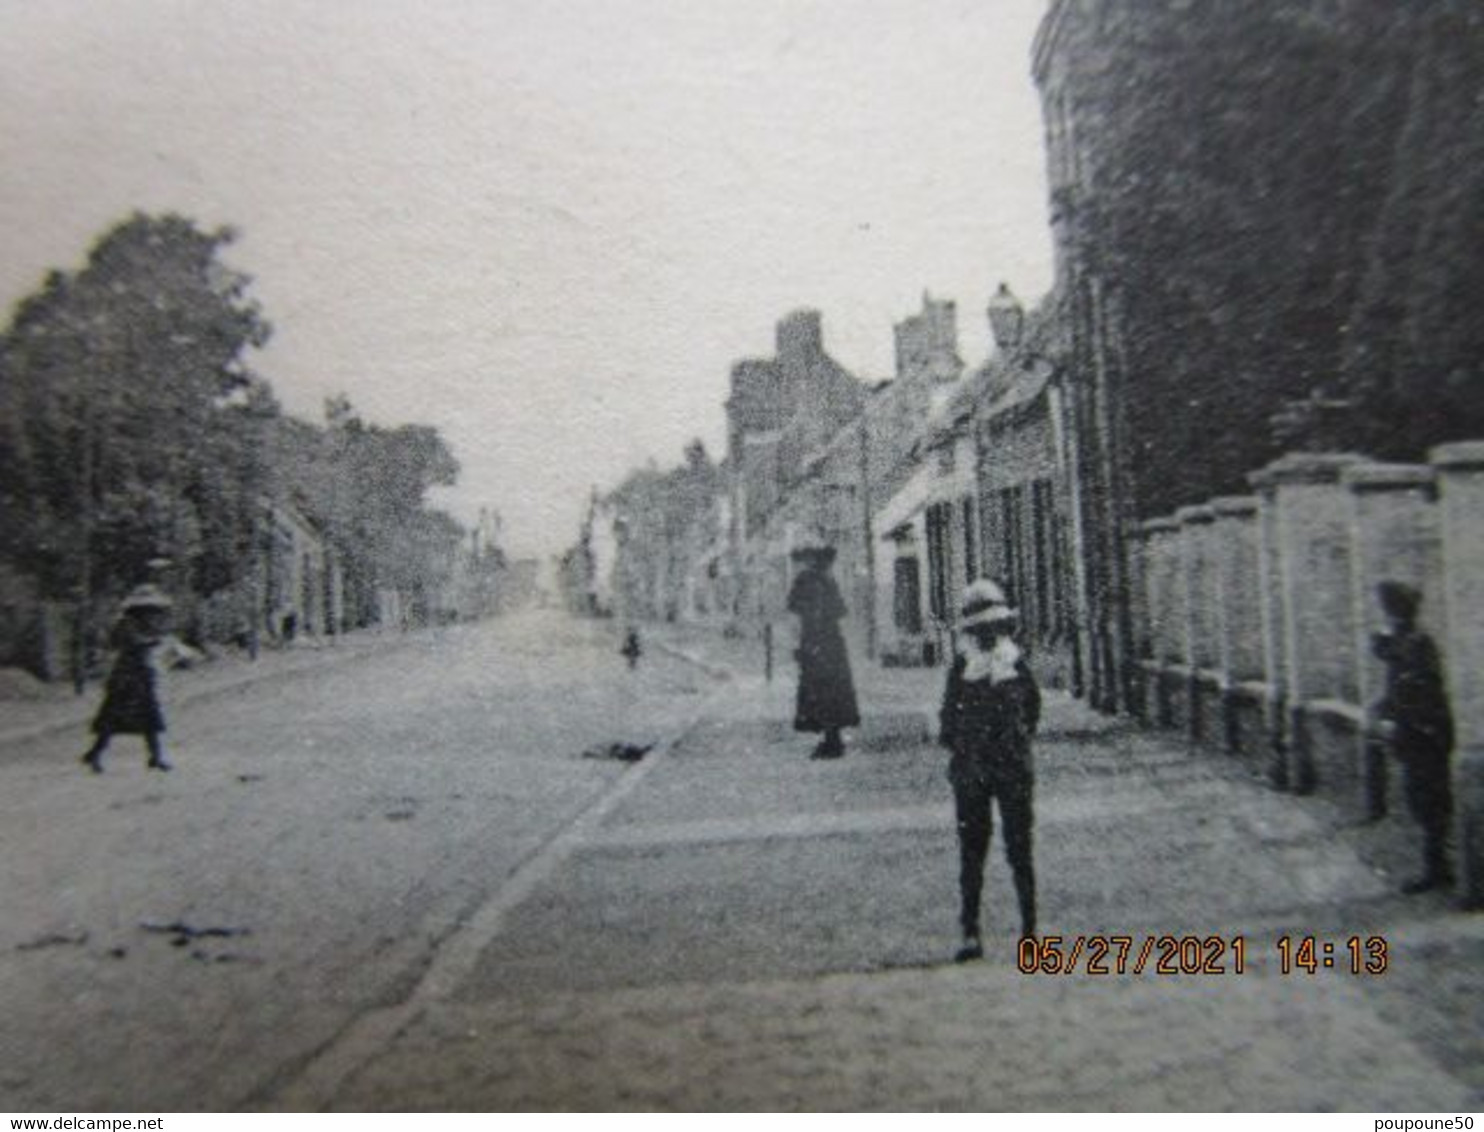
632 650
991 709
131 701
1413 718
826 700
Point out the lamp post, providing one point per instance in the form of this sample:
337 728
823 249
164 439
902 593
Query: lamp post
1006 319
621 533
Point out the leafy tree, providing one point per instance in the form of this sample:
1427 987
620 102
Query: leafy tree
132 427
114 380
367 485
663 513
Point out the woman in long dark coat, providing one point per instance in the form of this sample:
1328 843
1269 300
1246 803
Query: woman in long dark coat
131 699
826 700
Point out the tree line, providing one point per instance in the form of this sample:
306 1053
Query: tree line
132 427
666 518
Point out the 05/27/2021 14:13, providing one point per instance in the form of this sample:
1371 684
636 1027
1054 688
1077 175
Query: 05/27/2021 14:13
1196 955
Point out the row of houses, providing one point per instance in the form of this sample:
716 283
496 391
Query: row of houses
294 593
921 482
1209 313
1255 306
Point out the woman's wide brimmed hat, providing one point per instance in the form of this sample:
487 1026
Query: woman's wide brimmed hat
813 548
146 597
984 604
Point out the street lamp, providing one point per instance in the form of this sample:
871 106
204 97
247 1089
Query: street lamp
1006 319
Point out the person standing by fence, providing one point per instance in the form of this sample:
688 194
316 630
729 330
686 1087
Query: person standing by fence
1414 720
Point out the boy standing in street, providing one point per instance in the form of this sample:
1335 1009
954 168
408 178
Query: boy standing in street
991 709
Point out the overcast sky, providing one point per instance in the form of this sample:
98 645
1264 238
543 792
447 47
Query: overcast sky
546 228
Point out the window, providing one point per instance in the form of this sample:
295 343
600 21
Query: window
907 595
940 558
1011 541
971 541
1041 550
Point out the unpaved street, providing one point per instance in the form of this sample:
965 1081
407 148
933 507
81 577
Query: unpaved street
430 900
342 820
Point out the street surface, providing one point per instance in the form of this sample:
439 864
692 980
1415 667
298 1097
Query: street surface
347 819
449 908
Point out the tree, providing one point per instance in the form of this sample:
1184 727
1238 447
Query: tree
115 382
367 486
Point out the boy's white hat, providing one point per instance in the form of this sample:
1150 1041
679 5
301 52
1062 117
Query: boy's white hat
146 597
984 604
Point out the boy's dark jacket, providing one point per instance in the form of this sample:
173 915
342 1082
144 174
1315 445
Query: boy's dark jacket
1415 699
985 723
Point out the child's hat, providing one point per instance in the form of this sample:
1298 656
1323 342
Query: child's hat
1399 599
146 597
984 604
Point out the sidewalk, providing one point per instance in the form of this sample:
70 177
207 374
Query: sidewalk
751 930
898 705
35 709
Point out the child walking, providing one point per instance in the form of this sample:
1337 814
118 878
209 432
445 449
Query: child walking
991 709
131 701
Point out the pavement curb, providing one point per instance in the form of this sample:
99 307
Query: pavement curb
879 730
316 1081
715 671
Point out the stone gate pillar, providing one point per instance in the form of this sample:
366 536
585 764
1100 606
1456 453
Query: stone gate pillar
1202 598
1460 469
1307 520
1164 625
1239 648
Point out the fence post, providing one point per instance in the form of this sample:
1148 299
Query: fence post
1198 583
1460 469
1161 566
1239 628
1308 526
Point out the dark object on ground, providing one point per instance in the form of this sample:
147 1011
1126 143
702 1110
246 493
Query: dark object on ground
623 752
55 939
205 957
971 950
184 932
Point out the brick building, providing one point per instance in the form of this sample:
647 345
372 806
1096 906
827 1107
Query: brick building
1254 205
781 412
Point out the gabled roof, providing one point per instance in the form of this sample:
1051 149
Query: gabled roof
1015 388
